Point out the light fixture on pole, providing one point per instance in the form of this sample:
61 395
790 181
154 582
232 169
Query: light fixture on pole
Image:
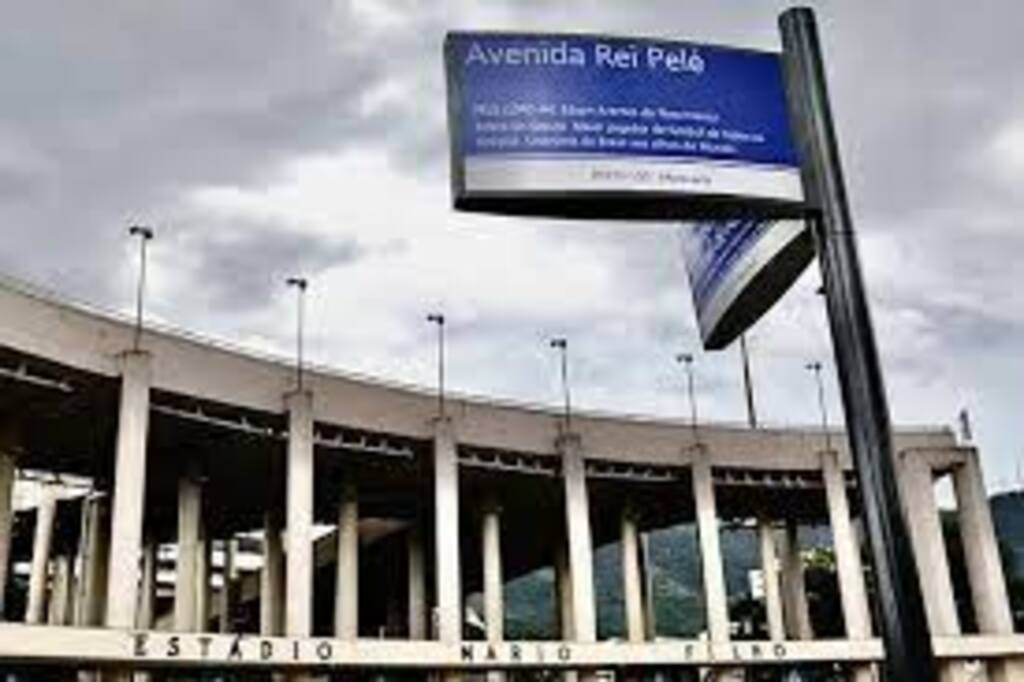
300 284
687 360
816 367
438 319
144 234
563 347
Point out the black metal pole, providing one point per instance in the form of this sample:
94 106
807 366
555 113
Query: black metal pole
748 383
908 649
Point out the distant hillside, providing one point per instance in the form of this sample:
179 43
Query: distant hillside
675 565
676 577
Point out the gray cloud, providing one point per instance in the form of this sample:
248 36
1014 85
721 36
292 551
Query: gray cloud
115 112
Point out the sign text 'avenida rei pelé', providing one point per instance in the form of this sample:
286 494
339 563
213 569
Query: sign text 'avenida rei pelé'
587 126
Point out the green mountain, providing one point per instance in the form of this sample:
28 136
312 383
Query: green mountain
675 578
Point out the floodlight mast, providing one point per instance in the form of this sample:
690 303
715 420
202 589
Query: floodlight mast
908 648
563 347
144 235
300 284
687 360
438 319
816 367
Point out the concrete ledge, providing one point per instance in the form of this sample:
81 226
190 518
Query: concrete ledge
137 649
979 646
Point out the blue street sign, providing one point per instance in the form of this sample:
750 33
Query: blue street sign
554 123
738 269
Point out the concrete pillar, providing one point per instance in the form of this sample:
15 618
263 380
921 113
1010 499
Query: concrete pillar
916 488
917 492
46 512
227 590
93 558
581 550
186 588
715 599
563 591
563 599
770 573
60 591
7 476
417 581
346 596
984 566
129 490
494 607
647 572
493 578
272 576
94 553
446 529
147 598
299 571
202 578
849 569
632 582
796 613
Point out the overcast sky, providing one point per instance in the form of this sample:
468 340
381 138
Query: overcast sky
265 139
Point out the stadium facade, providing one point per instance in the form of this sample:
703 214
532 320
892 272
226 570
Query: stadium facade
199 511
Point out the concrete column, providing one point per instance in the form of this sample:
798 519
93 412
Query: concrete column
46 512
446 529
272 576
647 572
202 579
494 607
984 566
922 514
299 572
850 571
715 599
632 582
186 588
563 591
772 588
7 476
346 596
796 614
581 550
417 581
129 490
94 552
147 597
227 590
60 591
917 492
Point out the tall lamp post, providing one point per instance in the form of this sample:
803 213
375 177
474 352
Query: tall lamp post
816 368
563 348
300 284
144 235
438 319
687 360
